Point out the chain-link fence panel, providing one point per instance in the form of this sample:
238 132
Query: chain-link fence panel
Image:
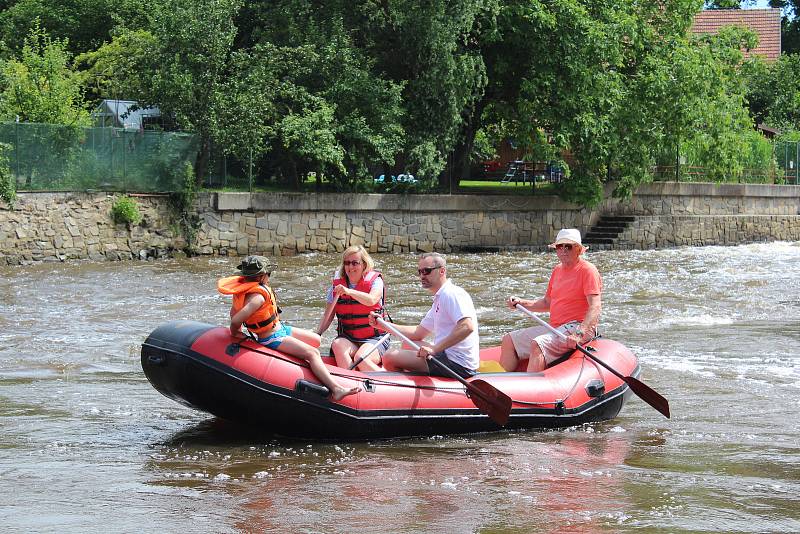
50 157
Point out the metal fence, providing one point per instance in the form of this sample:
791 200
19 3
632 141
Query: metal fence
787 156
50 157
784 170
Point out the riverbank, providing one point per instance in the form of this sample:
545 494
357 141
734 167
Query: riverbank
65 226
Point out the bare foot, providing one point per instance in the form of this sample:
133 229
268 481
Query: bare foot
339 393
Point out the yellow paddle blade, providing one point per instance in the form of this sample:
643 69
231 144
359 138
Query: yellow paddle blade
490 366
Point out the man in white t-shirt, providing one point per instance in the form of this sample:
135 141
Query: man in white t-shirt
451 319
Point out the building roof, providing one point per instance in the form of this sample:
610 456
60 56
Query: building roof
765 22
118 113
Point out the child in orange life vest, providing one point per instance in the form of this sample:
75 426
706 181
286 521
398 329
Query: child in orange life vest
255 306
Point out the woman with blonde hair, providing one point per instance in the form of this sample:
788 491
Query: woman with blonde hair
357 290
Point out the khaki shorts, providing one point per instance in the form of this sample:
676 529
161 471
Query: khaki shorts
553 347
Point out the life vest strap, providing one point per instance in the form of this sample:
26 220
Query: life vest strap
352 315
266 322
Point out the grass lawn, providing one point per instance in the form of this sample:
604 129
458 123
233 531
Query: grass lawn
468 187
508 188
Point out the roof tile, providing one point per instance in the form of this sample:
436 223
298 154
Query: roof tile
765 22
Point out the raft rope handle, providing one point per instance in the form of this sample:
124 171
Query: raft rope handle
351 377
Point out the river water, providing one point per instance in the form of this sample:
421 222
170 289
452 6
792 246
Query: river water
86 444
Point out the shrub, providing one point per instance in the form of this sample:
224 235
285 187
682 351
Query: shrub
126 210
8 190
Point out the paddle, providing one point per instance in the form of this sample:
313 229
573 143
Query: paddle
364 357
487 398
645 392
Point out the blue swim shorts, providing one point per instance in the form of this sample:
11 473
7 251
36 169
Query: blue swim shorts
274 340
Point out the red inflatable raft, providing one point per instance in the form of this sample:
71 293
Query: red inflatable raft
200 366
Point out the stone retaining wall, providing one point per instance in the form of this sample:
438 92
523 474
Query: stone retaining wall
662 231
289 223
66 226
63 226
677 198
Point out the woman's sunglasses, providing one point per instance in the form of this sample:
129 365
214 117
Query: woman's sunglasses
427 270
353 263
564 246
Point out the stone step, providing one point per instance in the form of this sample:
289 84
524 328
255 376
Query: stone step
595 235
599 240
618 218
605 233
608 228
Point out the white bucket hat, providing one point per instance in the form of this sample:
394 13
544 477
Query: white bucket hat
568 235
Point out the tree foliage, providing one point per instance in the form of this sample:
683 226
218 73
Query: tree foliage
80 24
353 88
773 91
41 86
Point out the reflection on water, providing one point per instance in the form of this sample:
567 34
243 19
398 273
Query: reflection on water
87 443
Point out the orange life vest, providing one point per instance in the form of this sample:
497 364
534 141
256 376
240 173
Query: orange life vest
264 318
353 316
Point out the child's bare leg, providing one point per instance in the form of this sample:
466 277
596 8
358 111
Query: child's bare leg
295 347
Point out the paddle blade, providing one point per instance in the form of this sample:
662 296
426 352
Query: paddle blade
490 401
649 395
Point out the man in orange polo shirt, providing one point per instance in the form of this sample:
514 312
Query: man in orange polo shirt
573 300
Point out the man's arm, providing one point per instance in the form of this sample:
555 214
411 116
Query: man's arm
538 305
591 318
464 327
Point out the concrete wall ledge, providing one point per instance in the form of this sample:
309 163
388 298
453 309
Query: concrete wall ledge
698 189
377 202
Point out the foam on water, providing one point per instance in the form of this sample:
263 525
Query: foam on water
703 320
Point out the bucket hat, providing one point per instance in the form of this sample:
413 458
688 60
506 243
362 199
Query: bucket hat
255 265
567 235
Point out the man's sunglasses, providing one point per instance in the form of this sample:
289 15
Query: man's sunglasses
353 263
428 270
564 246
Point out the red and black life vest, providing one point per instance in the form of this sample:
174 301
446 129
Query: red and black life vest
353 316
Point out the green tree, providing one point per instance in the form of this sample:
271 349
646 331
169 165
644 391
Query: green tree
81 24
179 61
40 86
790 25
728 4
316 99
614 85
773 91
564 77
708 122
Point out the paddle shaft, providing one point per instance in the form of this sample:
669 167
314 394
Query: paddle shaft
645 392
414 346
562 335
374 347
487 398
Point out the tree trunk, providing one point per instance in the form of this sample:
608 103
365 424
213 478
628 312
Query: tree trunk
460 166
203 157
291 169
